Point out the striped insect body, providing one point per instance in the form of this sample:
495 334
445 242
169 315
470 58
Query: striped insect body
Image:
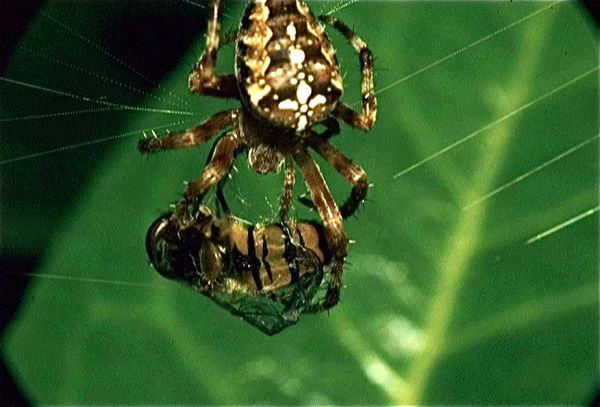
268 275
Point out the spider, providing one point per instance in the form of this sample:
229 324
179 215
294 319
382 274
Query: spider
287 79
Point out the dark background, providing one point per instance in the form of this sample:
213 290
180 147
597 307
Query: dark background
128 40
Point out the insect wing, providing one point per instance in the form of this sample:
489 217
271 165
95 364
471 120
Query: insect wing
272 312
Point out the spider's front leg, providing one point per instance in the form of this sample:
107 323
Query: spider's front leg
193 136
332 220
221 160
363 120
203 79
217 168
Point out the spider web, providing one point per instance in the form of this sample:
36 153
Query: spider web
484 164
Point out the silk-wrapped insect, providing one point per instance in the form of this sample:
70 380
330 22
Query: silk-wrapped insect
268 275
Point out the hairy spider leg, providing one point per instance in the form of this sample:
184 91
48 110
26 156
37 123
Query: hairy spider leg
189 138
219 165
193 136
288 188
203 79
221 207
332 220
362 120
344 165
332 128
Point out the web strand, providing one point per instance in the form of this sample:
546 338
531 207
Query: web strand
90 142
85 279
341 5
59 114
97 101
495 122
104 52
466 48
103 78
562 225
533 171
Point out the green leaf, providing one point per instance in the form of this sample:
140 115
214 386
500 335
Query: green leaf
474 277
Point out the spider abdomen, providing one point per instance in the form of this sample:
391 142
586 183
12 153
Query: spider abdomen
286 68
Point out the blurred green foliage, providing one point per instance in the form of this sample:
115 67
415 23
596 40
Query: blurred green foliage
447 298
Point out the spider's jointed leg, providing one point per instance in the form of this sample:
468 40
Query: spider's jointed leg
332 220
352 172
363 120
191 137
218 167
288 188
203 79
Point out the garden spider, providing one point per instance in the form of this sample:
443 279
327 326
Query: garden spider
288 79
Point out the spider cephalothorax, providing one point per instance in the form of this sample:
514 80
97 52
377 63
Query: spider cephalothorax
288 80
